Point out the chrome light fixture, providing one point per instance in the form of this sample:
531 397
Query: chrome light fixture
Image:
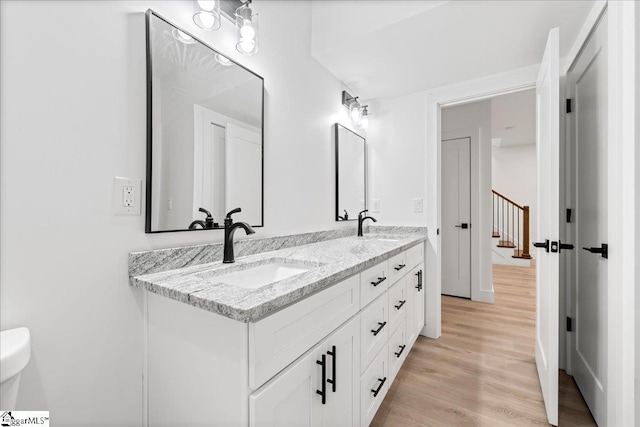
357 113
206 14
247 26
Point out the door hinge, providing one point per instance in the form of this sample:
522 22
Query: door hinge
569 324
568 105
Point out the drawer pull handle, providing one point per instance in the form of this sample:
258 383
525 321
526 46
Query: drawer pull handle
323 392
376 391
419 285
380 326
400 267
401 350
380 280
332 381
399 306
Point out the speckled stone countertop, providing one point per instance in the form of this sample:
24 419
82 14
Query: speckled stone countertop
328 262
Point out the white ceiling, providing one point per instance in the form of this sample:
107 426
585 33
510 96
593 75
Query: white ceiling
382 48
513 119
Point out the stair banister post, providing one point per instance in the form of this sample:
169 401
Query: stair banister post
525 232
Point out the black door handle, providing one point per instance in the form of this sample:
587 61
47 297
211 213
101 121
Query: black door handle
323 392
544 245
380 280
377 331
401 350
376 391
399 306
464 225
602 250
332 381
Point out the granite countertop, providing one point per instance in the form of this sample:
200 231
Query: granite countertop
328 262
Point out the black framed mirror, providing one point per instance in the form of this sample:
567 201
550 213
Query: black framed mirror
351 173
205 134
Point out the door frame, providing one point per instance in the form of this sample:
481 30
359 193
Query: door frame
624 191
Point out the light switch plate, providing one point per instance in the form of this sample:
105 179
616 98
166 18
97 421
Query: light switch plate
417 205
375 205
127 196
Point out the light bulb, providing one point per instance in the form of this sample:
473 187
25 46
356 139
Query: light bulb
247 45
247 31
223 60
182 37
206 19
207 5
356 114
365 122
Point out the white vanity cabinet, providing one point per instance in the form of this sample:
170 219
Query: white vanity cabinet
327 360
319 389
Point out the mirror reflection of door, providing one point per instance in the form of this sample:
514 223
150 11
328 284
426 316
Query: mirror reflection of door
456 215
350 173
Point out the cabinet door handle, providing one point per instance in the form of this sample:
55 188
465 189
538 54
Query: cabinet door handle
380 280
323 392
401 350
377 331
400 267
399 306
332 380
419 285
377 390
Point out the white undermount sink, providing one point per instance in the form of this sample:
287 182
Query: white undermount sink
261 275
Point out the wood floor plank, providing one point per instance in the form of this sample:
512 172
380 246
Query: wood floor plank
482 371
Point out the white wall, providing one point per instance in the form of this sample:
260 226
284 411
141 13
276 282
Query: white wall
73 117
514 175
474 120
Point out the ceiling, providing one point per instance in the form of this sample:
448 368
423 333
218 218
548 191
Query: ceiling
513 119
384 48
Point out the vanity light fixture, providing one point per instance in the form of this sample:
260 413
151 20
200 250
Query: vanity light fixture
247 26
206 14
223 60
364 123
182 37
354 107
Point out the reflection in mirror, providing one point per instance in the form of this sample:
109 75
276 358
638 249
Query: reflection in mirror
350 173
205 134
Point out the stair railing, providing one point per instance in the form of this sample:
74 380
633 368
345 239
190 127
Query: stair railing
511 225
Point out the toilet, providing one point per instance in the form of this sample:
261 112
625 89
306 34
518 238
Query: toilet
15 351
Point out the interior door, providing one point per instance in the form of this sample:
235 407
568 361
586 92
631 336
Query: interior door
548 263
456 215
588 88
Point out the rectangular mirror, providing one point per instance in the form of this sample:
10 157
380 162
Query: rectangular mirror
204 134
351 187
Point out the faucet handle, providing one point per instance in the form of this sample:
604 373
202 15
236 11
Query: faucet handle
236 210
204 211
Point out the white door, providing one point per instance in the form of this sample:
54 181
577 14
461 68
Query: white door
456 215
547 264
416 289
588 87
244 173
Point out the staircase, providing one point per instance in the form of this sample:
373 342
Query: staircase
510 227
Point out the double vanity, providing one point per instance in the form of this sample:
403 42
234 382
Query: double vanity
312 333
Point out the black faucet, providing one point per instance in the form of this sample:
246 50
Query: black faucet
207 223
345 217
361 219
229 230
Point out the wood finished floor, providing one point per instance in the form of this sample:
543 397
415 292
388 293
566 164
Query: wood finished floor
481 372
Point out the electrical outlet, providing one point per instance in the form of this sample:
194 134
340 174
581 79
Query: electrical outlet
417 205
375 205
127 196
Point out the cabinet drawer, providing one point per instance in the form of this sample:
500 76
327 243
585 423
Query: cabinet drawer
373 386
374 329
397 267
373 282
397 304
279 339
415 255
398 349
